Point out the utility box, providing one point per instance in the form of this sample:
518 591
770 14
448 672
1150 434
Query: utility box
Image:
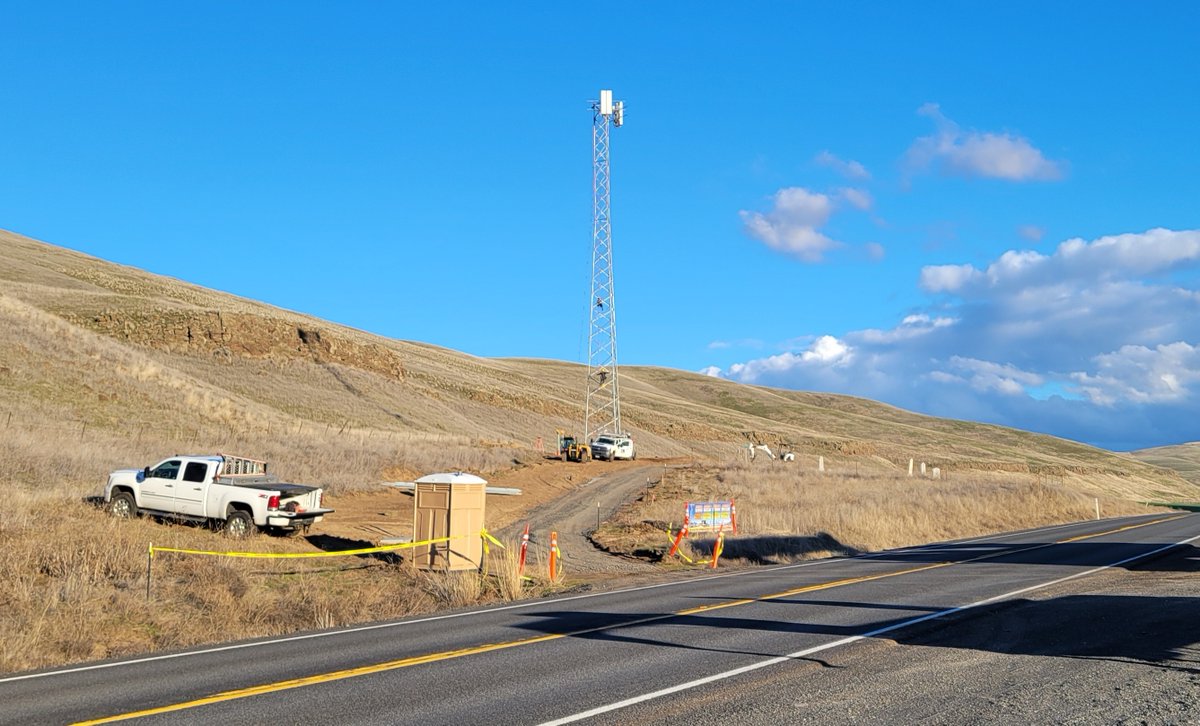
449 505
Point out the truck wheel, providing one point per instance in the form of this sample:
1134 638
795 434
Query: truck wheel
239 524
123 505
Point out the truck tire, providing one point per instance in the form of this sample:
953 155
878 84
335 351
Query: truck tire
239 524
123 505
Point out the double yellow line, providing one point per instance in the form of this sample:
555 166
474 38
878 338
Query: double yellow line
486 648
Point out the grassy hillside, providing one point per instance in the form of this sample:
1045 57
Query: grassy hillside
1183 458
102 364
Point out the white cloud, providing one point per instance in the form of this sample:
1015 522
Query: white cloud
791 225
947 278
875 251
1031 232
858 198
824 351
1094 341
1143 375
849 169
1158 250
1000 377
827 349
741 343
911 326
1076 262
987 154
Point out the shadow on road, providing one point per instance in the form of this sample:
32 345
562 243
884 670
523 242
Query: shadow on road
1158 631
1076 554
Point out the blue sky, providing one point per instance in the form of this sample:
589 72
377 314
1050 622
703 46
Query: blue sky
985 211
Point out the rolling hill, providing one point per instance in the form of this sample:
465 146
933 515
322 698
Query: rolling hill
102 364
1183 458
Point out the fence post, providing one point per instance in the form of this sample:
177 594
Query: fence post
149 569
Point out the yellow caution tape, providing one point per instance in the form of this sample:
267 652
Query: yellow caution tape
300 555
487 551
487 537
689 560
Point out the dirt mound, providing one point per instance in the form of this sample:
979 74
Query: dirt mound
226 334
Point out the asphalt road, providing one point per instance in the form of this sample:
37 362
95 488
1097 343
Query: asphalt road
1090 622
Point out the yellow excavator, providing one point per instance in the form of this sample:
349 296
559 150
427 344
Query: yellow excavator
571 450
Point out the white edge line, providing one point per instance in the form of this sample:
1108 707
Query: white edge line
396 624
515 606
846 641
1018 533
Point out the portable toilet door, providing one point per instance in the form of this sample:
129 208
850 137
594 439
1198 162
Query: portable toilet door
449 505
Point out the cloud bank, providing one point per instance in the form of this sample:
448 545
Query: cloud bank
1098 341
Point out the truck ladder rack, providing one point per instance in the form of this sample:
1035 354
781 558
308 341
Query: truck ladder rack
241 466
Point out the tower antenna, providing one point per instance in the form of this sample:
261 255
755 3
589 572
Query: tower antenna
602 412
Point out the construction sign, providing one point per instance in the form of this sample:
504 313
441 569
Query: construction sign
711 516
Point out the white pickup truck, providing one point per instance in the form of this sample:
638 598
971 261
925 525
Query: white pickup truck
613 446
230 491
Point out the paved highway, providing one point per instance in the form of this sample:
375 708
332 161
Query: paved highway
962 631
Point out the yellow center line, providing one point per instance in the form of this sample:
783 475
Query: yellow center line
489 647
1121 529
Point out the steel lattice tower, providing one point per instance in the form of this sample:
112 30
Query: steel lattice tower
602 413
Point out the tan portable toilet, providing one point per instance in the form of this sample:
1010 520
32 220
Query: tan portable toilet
449 505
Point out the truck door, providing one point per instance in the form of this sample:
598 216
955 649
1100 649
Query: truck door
192 488
158 490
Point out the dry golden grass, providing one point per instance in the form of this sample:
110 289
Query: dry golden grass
1183 458
74 585
785 512
89 343
104 366
505 575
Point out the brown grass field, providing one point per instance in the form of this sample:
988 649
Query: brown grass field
104 366
788 512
